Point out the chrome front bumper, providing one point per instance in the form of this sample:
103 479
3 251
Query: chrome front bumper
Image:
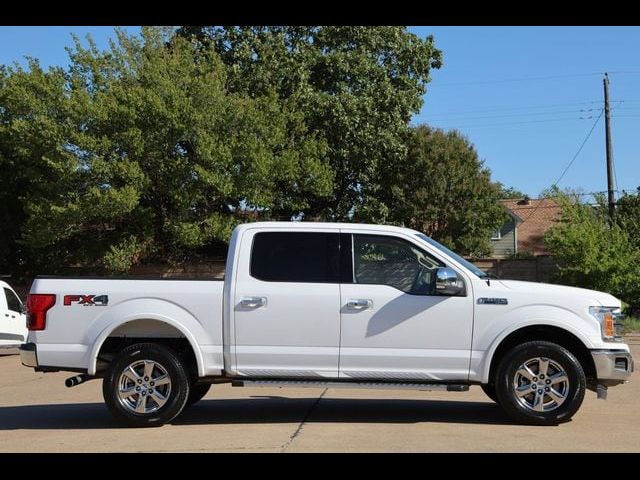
29 355
612 366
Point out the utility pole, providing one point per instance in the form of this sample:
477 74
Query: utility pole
607 126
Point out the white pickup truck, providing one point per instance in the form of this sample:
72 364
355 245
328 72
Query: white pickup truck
335 305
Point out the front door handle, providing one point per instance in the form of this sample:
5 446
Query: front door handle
360 303
253 302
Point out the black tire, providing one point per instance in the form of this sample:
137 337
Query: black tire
506 388
490 391
197 393
179 385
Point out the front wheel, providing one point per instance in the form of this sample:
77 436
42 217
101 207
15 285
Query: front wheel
540 383
146 385
197 393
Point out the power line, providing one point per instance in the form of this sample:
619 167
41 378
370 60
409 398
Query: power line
534 78
524 107
538 206
452 117
584 142
515 123
596 193
576 194
557 112
520 79
544 120
579 149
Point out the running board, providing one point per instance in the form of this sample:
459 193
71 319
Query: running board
449 387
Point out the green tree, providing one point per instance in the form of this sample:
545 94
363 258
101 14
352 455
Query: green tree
140 151
627 215
554 191
592 253
510 192
11 213
356 88
440 188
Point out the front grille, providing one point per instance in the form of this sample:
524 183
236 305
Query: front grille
618 326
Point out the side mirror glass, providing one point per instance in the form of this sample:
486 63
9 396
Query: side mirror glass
448 282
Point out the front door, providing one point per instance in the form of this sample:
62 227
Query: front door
394 324
286 314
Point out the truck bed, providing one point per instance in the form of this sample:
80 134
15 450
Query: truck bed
89 310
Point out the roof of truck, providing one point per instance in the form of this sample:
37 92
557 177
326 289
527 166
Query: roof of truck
326 225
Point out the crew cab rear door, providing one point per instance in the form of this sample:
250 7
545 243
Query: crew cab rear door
286 304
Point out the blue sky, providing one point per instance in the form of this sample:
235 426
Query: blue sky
525 96
491 84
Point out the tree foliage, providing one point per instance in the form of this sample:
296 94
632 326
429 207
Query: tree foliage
627 215
356 88
157 147
594 252
510 192
142 151
441 188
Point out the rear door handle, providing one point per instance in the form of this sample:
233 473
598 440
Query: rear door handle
360 303
253 302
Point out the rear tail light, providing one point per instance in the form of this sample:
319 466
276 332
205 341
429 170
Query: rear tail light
37 306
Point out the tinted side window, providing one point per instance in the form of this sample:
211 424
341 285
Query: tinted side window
295 257
386 260
13 303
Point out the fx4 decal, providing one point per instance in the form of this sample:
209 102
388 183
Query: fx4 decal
87 300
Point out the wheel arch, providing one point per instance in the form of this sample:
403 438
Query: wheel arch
546 332
146 328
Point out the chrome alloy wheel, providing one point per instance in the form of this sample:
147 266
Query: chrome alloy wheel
144 387
540 384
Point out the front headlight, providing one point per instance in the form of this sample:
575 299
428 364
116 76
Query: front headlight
609 319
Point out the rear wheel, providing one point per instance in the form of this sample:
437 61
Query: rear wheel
540 383
146 385
490 391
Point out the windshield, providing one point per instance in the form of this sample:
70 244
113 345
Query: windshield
466 263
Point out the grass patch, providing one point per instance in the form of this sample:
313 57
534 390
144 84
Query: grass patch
631 324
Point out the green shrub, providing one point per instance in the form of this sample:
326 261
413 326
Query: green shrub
595 253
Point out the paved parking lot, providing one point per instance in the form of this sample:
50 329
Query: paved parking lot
37 409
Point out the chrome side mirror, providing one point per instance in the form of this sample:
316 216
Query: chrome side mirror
448 282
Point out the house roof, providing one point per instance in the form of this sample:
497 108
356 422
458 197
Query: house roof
536 217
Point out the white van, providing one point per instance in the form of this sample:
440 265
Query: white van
13 323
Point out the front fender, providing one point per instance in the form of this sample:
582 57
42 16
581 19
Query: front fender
519 318
146 309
